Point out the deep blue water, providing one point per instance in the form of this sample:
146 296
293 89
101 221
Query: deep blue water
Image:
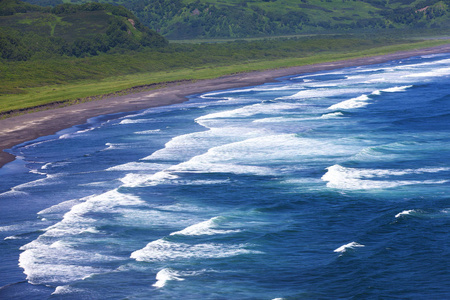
332 185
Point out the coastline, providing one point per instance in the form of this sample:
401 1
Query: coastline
27 127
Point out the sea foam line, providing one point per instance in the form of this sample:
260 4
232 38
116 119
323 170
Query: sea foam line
355 179
352 103
164 250
165 275
348 246
204 228
404 213
332 115
66 289
322 93
168 274
397 89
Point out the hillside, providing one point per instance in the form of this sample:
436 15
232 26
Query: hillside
74 30
184 19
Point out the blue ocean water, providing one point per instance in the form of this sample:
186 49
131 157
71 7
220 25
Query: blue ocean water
320 186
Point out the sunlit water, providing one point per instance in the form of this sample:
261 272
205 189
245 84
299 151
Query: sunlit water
326 185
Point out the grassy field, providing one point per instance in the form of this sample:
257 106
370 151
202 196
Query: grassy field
30 84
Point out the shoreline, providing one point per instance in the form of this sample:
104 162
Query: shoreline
19 129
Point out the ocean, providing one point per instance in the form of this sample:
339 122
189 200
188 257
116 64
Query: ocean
330 185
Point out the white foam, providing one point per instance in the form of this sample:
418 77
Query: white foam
66 289
34 171
72 134
432 73
185 146
52 258
85 130
405 212
327 84
251 152
357 179
24 227
272 120
224 158
311 77
247 111
377 92
69 135
97 183
262 88
428 64
135 180
115 146
428 170
51 165
235 157
397 89
48 180
322 93
13 237
172 217
139 166
332 115
357 77
12 193
165 275
199 164
134 121
44 167
348 246
377 79
353 103
148 131
244 157
164 250
75 221
204 228
55 265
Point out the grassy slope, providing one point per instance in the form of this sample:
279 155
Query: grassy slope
112 73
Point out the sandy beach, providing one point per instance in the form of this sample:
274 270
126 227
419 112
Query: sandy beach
19 129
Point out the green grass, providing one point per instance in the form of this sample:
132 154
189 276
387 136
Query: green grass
29 84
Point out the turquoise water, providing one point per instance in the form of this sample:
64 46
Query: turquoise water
319 186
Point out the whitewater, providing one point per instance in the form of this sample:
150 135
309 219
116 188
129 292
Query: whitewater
326 185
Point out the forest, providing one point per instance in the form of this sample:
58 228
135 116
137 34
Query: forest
74 30
206 19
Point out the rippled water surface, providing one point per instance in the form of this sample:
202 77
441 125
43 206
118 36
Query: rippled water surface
326 185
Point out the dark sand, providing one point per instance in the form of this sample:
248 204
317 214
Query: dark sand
27 127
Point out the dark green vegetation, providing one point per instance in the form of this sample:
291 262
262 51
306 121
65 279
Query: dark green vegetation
75 30
187 19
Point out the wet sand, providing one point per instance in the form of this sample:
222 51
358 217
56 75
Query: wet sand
27 127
